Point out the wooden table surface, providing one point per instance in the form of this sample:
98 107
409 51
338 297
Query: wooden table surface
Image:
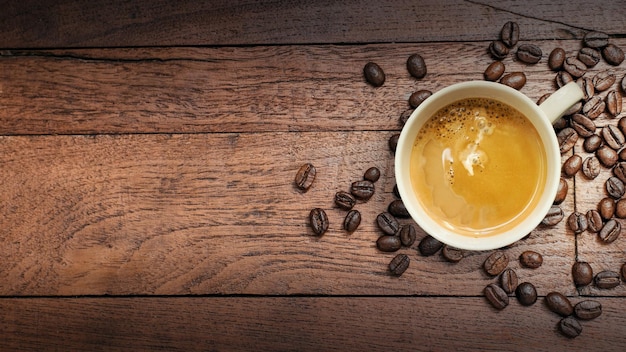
147 159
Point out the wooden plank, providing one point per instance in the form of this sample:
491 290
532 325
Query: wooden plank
297 324
249 89
36 24
217 214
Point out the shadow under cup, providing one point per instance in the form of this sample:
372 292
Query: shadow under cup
530 218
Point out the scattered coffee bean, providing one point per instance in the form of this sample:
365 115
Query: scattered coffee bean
374 75
592 143
515 80
418 97
610 231
556 59
584 126
615 187
559 304
494 71
594 221
620 209
596 39
496 296
606 208
416 66
388 243
591 167
429 245
594 107
396 192
574 67
562 78
603 80
570 327
543 98
586 84
509 34
577 222
607 156
613 137
305 176
623 271
526 294
352 220
452 254
496 263
622 155
399 264
397 209
508 280
589 56
613 54
372 174
582 273
619 170
529 53
561 192
574 109
387 223
571 166
318 221
567 138
560 123
588 309
614 103
554 216
393 142
344 200
531 259
607 279
498 50
362 190
406 114
408 234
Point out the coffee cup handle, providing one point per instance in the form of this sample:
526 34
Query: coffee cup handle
561 100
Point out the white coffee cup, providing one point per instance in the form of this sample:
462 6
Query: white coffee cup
541 116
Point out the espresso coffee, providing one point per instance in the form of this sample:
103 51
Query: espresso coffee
478 166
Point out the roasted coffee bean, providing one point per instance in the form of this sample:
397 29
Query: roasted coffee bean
584 126
582 273
606 279
318 221
494 71
594 220
620 171
344 200
613 54
606 208
362 190
393 142
305 176
577 222
620 209
531 259
623 271
592 143
496 296
399 264
429 245
594 107
496 263
554 216
556 59
543 98
610 231
452 254
591 167
613 137
615 187
562 78
387 223
397 209
406 114
621 124
571 166
418 97
567 138
352 220
574 109
508 280
408 234
515 80
570 327
596 39
559 304
588 309
396 191
561 192
560 123
603 80
607 156
574 67
416 66
388 243
622 155
498 50
509 34
529 53
372 174
526 294
586 84
614 103
589 56
374 75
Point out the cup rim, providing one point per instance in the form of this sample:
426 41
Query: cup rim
483 89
